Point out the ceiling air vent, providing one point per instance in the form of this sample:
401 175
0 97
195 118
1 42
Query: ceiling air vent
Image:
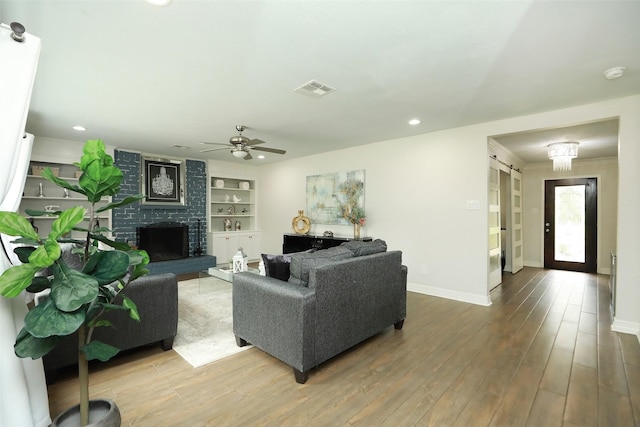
314 88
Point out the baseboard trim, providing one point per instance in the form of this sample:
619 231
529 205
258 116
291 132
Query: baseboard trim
484 300
626 327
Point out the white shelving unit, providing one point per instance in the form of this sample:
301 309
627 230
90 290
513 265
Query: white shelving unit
40 193
232 218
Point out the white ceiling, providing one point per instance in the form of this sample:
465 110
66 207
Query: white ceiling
149 78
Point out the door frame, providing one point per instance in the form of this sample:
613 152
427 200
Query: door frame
598 218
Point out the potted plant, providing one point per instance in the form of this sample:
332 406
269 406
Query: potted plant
78 298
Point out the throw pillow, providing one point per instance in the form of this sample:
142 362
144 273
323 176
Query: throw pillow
301 263
360 248
277 266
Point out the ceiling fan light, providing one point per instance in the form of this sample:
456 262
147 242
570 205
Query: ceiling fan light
562 153
241 154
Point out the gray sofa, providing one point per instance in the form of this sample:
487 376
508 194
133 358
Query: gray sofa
156 297
332 301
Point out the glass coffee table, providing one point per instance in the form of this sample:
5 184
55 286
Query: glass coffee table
223 272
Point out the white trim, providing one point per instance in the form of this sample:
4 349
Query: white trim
484 300
626 327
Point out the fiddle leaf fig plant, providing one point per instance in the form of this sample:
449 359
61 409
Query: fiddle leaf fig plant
78 296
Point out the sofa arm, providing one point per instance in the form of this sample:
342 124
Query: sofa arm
156 297
275 316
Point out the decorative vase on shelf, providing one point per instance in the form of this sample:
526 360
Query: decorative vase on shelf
356 230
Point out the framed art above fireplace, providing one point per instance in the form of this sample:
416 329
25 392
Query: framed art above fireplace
162 181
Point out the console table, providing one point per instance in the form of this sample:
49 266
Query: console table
302 242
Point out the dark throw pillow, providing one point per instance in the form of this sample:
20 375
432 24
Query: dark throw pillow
277 266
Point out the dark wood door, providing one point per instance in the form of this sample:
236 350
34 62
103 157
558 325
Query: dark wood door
570 224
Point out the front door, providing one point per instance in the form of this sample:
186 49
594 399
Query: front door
570 224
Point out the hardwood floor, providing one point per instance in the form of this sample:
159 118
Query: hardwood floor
542 355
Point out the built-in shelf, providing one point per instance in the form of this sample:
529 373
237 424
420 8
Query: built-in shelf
231 228
53 196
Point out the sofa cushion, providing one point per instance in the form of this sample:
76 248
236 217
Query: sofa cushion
277 266
360 248
301 263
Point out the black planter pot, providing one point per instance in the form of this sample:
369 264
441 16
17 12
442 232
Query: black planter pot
102 413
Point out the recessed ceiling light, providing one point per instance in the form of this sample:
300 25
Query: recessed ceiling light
261 156
79 128
614 73
414 122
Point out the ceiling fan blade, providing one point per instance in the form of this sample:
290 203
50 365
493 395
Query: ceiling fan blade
248 156
269 150
214 149
214 143
254 142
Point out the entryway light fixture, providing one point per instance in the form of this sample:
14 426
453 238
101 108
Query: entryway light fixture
561 153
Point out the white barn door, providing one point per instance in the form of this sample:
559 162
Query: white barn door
495 259
516 222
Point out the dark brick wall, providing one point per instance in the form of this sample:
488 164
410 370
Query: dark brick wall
127 218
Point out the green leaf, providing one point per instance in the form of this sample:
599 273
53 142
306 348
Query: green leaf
46 254
122 246
45 320
108 266
66 221
70 289
23 253
36 212
93 149
39 284
133 309
13 224
112 307
100 180
29 346
140 269
99 323
98 230
127 201
99 350
15 279
48 175
100 177
25 241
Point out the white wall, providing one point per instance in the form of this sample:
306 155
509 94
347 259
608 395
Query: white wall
606 172
60 150
415 200
416 193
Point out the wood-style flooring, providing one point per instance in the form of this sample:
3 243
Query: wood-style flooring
542 355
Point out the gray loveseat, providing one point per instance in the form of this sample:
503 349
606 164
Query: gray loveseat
332 301
156 297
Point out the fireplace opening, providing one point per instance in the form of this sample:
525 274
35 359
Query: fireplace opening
164 241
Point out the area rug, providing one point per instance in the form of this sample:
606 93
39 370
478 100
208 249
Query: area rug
205 321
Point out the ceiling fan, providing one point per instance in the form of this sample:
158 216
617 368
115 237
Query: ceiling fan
240 145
